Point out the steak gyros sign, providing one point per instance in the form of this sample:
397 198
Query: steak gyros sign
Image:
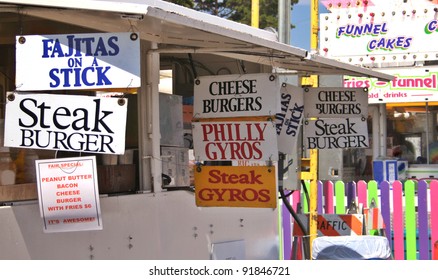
66 123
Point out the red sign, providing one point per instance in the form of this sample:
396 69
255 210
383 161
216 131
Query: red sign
333 225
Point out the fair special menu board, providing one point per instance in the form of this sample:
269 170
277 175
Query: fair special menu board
68 194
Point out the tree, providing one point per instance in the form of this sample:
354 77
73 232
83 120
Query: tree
238 10
185 3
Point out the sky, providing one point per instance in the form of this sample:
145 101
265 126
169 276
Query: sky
300 17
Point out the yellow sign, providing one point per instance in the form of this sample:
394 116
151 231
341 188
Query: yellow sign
236 186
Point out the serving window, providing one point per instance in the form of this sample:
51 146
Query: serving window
116 173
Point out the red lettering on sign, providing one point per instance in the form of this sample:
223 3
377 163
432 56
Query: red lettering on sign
216 176
226 194
236 150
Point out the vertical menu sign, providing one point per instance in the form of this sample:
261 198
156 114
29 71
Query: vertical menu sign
68 194
288 120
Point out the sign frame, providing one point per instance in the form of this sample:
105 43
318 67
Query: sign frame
334 102
66 122
330 132
289 119
235 140
379 37
236 186
236 95
78 61
413 84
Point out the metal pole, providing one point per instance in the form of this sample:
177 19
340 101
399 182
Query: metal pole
314 28
313 213
427 133
383 129
284 8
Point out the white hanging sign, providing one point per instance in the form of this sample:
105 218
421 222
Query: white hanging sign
289 119
336 133
236 96
66 122
332 102
77 61
235 140
68 194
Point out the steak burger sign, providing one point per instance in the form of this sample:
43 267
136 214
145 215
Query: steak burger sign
66 123
342 118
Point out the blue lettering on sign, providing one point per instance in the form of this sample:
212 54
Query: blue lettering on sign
361 30
76 77
431 27
87 46
390 43
77 47
375 29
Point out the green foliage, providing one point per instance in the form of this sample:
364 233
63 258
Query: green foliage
237 10
185 3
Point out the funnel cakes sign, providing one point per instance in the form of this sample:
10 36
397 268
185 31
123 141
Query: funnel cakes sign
376 36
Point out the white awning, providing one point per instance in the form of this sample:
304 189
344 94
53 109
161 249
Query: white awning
178 29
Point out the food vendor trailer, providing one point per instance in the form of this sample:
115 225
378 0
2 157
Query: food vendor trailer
144 196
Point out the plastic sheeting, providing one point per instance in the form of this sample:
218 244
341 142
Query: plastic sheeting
366 247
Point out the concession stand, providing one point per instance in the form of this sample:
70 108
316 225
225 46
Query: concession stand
97 152
394 37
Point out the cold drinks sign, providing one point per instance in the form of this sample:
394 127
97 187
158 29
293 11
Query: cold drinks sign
78 61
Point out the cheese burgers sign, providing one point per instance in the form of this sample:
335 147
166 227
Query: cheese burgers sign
234 117
78 61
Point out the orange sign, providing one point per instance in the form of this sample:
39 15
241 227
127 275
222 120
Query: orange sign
236 186
333 225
